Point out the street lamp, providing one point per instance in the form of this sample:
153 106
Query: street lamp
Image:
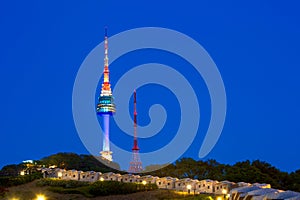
101 179
40 197
144 183
189 187
224 192
59 174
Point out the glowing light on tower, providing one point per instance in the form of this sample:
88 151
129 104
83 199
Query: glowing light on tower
106 106
135 164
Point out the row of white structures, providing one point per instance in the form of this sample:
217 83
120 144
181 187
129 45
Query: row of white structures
258 193
234 191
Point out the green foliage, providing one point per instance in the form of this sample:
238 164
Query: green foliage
295 180
103 188
61 183
3 190
99 188
78 162
84 190
13 181
170 194
12 170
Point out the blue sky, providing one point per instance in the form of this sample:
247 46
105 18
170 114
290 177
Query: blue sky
254 44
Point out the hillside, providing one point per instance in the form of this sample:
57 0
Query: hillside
29 191
245 171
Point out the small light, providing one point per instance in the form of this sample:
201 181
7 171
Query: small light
224 191
59 174
219 198
40 197
22 173
189 187
144 182
101 179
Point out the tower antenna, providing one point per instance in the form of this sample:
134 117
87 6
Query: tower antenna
136 163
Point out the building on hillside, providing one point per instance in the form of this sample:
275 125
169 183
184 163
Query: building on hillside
262 185
285 195
130 178
240 192
71 175
187 185
110 176
89 176
243 184
166 182
206 186
149 179
223 187
260 193
51 172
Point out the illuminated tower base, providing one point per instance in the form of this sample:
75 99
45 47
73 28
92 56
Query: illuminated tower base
106 155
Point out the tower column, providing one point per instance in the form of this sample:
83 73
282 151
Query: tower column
105 132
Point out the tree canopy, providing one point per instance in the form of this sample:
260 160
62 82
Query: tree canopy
246 171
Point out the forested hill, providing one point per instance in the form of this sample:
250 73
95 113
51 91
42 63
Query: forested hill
67 161
246 171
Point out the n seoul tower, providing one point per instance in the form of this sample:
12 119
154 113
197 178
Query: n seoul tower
106 106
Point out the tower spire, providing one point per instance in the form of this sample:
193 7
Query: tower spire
106 106
106 70
135 164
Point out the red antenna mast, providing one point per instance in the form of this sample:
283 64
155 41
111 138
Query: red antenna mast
135 164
